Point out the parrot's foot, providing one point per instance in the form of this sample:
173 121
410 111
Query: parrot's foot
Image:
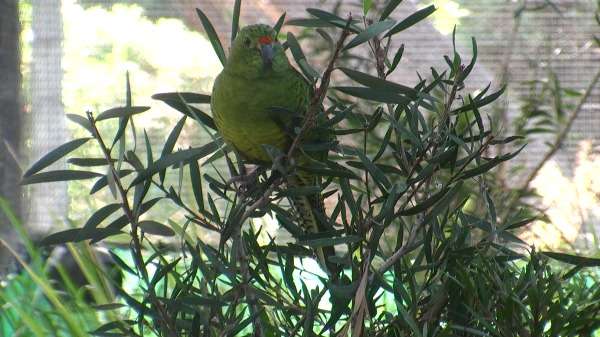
244 182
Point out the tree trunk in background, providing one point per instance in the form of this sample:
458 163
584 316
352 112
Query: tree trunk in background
10 117
48 202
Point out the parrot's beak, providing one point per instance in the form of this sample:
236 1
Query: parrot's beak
266 51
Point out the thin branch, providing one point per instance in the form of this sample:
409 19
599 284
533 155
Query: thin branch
558 142
262 201
320 92
504 78
407 247
565 131
137 246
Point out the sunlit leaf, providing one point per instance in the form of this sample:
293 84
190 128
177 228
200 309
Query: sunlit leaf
82 121
212 36
121 112
369 33
333 19
389 8
411 20
180 102
176 157
377 83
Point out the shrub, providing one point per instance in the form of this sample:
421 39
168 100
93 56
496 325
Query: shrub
407 164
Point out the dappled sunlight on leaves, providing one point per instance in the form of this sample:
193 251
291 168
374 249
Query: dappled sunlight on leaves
572 204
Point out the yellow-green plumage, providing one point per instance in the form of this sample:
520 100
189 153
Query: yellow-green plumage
257 78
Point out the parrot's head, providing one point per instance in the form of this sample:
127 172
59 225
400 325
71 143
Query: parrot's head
256 52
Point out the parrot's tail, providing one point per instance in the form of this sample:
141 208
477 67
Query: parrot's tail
311 211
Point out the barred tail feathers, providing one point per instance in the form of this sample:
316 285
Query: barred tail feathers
307 207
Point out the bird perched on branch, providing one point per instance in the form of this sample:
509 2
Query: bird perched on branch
257 100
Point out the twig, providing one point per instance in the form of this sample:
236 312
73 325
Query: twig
557 143
561 137
137 246
262 201
320 92
407 247
242 256
504 78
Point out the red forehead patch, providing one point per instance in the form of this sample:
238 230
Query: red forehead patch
265 39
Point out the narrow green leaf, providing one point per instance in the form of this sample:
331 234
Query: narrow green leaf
149 158
367 4
236 19
279 23
479 102
103 181
574 259
59 175
443 204
311 23
186 97
116 226
88 162
380 84
471 65
411 20
557 93
426 204
378 175
389 8
100 215
82 121
196 179
212 36
489 164
128 101
331 241
374 95
55 155
332 19
369 33
300 59
170 143
396 61
155 228
108 306
176 157
121 112
338 171
179 102
69 235
121 263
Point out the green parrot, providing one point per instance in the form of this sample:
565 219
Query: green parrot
256 78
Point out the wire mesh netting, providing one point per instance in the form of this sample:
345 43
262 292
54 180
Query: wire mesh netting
76 54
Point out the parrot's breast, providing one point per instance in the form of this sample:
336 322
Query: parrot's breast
241 110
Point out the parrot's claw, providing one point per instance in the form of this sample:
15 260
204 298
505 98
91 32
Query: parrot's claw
244 182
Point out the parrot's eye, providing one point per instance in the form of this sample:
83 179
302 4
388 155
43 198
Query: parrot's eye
247 42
